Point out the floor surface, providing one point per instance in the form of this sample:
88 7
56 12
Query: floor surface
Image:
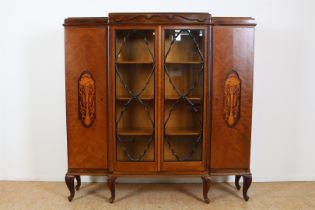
53 195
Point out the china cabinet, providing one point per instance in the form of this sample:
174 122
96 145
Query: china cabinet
159 94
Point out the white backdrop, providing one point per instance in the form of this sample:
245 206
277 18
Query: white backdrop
32 100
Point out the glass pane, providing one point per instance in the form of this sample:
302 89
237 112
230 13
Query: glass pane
184 68
135 67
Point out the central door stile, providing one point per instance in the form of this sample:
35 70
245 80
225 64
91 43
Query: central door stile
159 99
162 97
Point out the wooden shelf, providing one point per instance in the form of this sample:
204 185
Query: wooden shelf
168 131
149 98
173 98
182 131
126 98
135 62
134 131
183 62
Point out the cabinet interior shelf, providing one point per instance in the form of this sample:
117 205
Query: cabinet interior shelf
134 131
135 62
182 131
148 131
150 98
174 98
126 98
151 62
183 62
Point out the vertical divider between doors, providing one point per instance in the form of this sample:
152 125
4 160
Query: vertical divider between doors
205 151
111 100
162 110
209 96
107 97
159 88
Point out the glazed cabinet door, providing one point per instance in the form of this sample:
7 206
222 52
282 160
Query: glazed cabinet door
133 73
184 54
86 103
233 49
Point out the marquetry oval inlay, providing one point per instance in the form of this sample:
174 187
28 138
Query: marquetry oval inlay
232 98
87 103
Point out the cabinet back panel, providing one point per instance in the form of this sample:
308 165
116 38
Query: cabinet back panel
135 117
86 52
131 47
230 143
135 77
183 76
184 49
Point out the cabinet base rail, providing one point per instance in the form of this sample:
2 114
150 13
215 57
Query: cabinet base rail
111 181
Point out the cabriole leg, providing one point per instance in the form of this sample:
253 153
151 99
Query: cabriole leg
69 179
78 178
247 181
237 182
206 180
111 185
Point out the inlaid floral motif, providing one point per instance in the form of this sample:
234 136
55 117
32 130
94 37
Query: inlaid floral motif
87 103
232 98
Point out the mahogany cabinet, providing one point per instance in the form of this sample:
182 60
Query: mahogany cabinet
159 94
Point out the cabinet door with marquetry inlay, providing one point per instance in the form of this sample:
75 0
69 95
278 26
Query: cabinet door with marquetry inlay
86 91
232 88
